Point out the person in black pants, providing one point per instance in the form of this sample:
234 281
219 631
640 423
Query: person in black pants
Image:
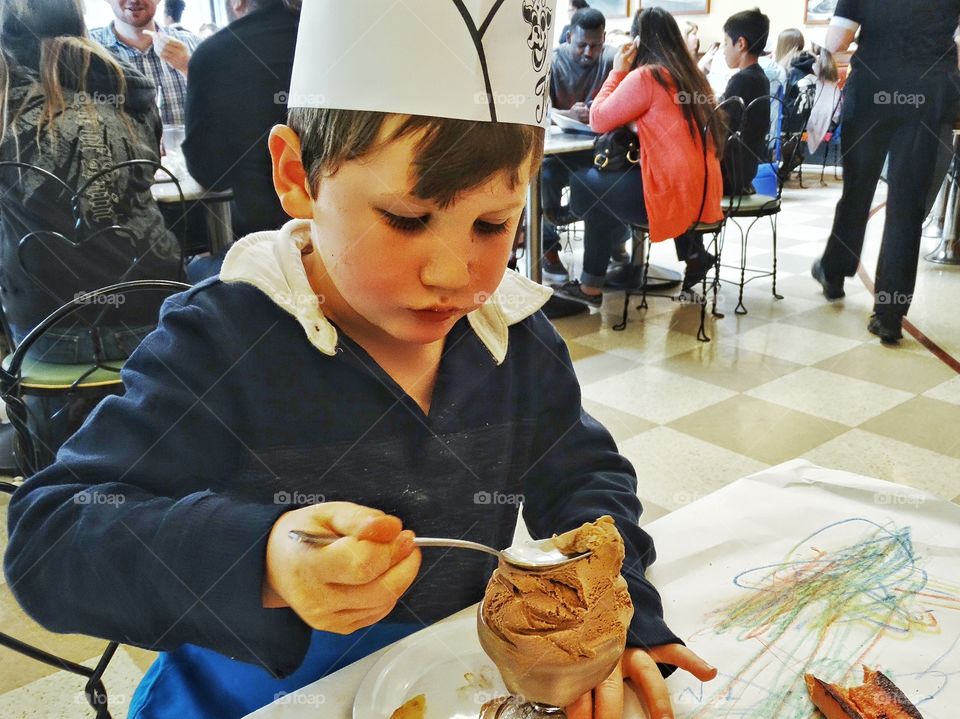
903 88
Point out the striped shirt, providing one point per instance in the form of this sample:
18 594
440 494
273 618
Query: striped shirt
171 84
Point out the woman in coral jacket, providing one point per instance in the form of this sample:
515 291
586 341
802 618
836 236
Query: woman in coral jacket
657 89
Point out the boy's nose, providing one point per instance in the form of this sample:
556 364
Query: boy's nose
445 269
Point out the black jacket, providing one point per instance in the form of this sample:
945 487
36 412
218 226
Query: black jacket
41 271
239 80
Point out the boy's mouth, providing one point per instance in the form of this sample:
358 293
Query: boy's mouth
438 314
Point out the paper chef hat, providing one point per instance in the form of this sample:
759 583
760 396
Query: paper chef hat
484 60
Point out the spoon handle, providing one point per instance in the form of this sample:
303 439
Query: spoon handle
324 540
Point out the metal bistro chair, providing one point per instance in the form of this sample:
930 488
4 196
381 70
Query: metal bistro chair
642 232
19 376
753 208
115 246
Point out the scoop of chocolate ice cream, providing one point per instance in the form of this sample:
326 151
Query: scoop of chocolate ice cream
559 632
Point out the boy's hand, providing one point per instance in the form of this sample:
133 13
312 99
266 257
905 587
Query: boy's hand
625 58
606 700
350 584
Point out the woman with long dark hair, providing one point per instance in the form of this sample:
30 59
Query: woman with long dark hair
657 88
70 108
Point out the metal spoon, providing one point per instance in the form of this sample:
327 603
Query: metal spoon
541 554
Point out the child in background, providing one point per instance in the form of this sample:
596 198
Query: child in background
745 36
366 372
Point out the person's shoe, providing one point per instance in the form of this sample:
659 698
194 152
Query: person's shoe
832 289
574 292
620 255
557 308
561 216
553 270
623 277
566 216
887 327
697 268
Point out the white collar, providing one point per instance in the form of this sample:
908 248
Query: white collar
270 261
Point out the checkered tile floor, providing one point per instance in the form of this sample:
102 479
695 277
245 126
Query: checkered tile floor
796 377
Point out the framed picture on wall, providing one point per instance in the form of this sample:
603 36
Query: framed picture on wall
819 12
680 7
609 8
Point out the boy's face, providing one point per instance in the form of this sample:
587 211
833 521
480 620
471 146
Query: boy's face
401 265
731 51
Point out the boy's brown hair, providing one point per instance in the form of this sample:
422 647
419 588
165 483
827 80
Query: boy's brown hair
451 156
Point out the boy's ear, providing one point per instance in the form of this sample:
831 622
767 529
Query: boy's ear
289 176
743 45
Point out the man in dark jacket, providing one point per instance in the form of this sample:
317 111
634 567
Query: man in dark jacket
238 84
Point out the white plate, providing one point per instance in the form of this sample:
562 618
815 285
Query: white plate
446 663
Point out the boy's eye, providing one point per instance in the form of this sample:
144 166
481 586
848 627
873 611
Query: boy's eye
405 224
489 228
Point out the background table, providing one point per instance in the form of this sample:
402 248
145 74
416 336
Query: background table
557 142
742 573
207 224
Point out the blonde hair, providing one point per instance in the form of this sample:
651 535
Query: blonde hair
827 69
789 44
51 33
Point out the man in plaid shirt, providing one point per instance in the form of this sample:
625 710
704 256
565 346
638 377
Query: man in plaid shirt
162 54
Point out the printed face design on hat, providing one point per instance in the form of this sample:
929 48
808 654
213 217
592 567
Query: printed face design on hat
479 60
539 16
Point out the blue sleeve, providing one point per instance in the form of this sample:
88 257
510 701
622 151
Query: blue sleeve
850 10
578 475
126 535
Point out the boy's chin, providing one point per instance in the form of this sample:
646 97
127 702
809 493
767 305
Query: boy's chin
422 333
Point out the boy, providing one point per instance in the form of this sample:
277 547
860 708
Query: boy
744 39
368 367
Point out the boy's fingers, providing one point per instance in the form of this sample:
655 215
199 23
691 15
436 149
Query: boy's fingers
642 669
379 594
395 581
608 697
684 658
346 519
384 528
582 708
358 562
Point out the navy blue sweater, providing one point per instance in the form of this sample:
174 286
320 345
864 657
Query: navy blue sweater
151 527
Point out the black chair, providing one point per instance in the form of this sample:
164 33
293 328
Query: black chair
714 229
754 208
115 248
33 452
793 129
